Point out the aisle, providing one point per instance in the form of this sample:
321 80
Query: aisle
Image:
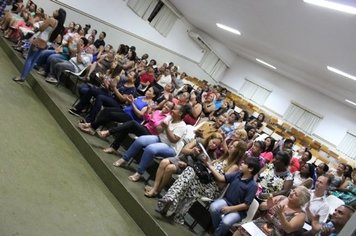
46 186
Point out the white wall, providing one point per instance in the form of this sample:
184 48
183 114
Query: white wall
338 118
132 30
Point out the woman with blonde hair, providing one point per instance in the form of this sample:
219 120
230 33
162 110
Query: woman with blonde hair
284 215
169 166
189 187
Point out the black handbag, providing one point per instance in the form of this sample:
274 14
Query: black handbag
202 172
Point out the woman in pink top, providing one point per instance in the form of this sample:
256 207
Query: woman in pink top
267 154
152 120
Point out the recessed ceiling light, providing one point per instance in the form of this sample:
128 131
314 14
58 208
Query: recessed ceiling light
337 71
232 30
265 63
333 6
351 102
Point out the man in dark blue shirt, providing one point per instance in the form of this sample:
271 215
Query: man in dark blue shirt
239 195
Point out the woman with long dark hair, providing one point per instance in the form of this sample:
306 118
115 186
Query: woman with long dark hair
48 32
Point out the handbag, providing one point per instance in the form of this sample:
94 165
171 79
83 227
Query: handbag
202 172
39 43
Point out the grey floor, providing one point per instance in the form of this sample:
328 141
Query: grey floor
46 186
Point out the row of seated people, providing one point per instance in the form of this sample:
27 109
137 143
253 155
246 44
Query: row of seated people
70 44
254 168
230 149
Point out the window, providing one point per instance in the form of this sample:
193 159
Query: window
143 8
212 64
161 17
301 117
254 92
348 145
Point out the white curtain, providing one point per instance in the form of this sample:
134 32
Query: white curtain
260 95
212 65
348 145
218 70
164 20
248 89
208 61
308 122
142 8
254 92
293 113
302 118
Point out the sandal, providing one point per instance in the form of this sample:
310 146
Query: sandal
18 80
84 125
104 134
109 150
135 177
88 130
150 195
148 188
120 162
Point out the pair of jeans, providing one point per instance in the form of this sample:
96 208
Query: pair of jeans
32 56
42 59
152 148
222 223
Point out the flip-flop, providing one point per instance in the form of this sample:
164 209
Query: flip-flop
150 195
120 162
135 177
148 188
18 80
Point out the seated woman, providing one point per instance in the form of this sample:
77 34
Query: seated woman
237 135
165 95
347 191
146 79
188 188
167 144
242 119
134 111
101 65
208 103
192 151
255 151
268 154
304 177
221 111
228 128
284 215
337 177
152 119
275 179
197 108
114 94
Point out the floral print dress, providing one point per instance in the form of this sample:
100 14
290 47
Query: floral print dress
187 189
270 181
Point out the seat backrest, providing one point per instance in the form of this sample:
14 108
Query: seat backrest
251 211
333 202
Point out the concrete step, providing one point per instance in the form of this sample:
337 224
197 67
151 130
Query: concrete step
58 100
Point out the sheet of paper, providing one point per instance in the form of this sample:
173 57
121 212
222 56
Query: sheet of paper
252 229
204 151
